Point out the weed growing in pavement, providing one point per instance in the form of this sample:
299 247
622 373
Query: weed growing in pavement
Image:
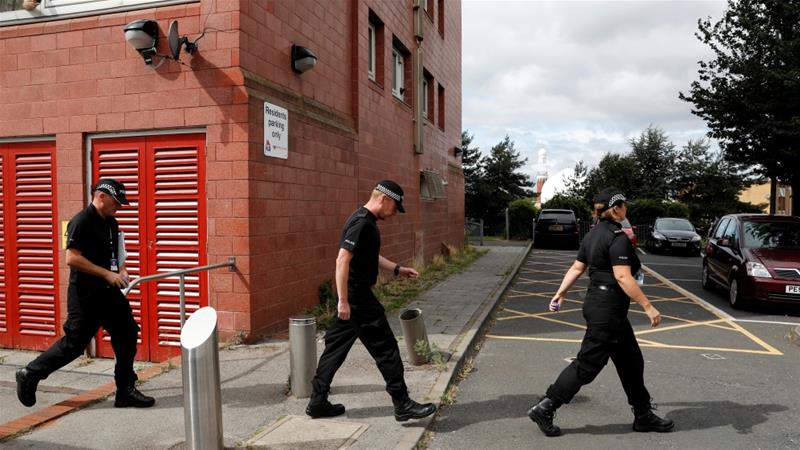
432 353
326 311
449 396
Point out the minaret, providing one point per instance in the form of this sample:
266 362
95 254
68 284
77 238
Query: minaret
541 175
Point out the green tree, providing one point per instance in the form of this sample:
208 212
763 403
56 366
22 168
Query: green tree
577 182
521 213
613 170
501 174
653 155
706 183
749 94
475 191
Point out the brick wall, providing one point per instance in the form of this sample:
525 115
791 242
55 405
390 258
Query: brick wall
280 218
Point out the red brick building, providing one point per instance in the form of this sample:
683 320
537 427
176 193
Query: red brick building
188 139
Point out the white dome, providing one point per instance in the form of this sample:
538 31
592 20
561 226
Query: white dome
556 184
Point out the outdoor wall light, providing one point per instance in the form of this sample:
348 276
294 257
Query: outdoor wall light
302 59
143 36
457 151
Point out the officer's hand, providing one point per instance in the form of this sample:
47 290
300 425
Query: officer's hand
116 280
555 303
654 315
344 310
408 272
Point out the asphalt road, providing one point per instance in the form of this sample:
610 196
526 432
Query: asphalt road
727 383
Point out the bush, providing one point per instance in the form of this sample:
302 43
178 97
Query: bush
646 210
521 213
575 204
676 209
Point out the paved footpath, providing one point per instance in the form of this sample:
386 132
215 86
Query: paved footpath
74 409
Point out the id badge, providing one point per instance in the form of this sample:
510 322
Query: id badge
114 265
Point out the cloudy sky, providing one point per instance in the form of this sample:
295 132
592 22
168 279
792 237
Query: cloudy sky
580 78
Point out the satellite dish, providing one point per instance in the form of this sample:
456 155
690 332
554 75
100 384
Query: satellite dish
176 41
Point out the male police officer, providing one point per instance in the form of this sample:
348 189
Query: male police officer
94 300
360 314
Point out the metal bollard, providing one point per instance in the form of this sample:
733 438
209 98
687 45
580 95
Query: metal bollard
303 354
202 405
414 331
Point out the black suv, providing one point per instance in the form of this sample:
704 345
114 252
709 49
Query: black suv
674 234
556 227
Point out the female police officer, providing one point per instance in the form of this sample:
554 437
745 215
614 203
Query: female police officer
612 263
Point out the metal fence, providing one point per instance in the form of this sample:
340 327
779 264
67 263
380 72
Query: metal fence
473 231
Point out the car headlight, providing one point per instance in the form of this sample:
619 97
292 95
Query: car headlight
757 270
696 238
659 236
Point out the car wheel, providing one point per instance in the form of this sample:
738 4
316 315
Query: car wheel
734 297
704 279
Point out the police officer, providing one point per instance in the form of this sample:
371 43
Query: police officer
94 300
360 314
612 262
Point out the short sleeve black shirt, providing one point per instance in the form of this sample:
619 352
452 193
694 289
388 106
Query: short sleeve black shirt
361 237
97 239
606 245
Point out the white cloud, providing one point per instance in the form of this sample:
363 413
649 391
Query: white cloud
580 78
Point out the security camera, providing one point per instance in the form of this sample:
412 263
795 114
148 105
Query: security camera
143 36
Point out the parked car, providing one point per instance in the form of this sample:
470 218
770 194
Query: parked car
756 257
556 227
630 231
673 234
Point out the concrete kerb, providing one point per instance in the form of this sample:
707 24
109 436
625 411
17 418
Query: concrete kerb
465 349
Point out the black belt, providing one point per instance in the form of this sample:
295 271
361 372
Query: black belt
607 287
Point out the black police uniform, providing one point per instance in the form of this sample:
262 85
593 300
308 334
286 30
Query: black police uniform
92 303
608 332
367 316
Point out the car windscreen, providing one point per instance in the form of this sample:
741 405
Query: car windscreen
674 225
557 217
772 235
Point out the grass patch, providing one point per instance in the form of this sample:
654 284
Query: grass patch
395 293
398 292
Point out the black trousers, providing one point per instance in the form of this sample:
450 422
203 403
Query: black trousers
608 335
367 323
110 310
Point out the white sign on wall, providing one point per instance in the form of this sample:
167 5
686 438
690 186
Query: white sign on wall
276 131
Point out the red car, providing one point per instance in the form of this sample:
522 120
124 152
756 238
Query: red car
756 257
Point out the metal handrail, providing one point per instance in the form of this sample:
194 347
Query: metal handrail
181 274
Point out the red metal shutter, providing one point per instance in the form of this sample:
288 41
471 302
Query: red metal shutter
121 159
176 232
5 333
30 307
165 229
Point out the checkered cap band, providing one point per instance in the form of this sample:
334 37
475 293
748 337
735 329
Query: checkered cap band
389 193
616 198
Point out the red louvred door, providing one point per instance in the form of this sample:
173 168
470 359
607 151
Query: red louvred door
29 290
165 229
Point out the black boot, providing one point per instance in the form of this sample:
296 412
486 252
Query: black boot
645 420
130 396
319 406
409 409
26 387
543 414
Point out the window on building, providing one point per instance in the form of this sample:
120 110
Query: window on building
11 10
441 104
431 185
371 66
427 95
427 6
400 67
375 69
